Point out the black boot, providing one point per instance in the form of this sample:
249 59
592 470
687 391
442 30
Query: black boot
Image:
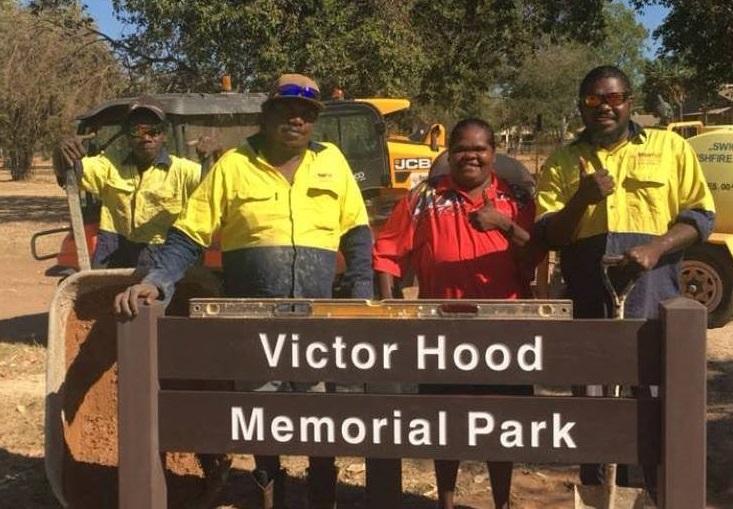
322 486
272 489
216 468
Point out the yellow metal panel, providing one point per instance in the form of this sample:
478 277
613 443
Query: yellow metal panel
386 106
715 151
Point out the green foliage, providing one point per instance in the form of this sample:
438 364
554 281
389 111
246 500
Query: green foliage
623 43
473 45
667 78
50 70
546 83
187 45
447 54
698 34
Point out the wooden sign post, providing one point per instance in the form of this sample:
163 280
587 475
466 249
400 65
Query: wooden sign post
668 432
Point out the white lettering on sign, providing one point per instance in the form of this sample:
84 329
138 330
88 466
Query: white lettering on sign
535 351
426 430
347 427
479 423
432 354
318 354
282 428
511 434
561 433
310 355
246 431
423 351
353 430
273 356
497 357
483 424
317 424
413 163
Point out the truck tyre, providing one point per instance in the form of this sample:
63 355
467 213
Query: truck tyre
707 277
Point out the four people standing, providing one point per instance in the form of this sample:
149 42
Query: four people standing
285 205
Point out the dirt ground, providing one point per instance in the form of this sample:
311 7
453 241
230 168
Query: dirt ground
26 292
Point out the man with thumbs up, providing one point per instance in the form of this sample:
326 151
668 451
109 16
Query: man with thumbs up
621 190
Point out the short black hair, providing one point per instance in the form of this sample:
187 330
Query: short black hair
601 72
467 123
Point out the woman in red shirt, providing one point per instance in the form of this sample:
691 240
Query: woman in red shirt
464 235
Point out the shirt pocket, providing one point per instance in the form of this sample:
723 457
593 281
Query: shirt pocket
647 187
117 197
259 210
160 208
324 206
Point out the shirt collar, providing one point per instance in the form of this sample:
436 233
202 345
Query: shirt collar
256 142
163 159
445 184
637 134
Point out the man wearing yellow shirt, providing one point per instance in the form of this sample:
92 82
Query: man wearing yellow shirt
141 194
621 190
284 206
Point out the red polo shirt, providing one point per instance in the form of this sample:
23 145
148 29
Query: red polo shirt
429 231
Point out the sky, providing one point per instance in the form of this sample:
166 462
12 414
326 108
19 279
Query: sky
101 11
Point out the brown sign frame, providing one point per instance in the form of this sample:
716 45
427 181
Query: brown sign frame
152 347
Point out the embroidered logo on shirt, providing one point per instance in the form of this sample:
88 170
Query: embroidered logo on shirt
649 158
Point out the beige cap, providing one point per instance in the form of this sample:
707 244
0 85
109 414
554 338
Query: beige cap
296 86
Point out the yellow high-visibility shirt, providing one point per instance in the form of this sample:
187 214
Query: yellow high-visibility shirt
140 206
657 176
255 206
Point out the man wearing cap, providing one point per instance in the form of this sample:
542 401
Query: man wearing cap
141 194
285 206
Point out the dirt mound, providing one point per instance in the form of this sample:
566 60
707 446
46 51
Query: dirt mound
90 406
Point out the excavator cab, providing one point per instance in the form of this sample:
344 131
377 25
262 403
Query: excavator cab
358 129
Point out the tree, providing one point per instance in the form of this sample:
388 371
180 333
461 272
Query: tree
546 83
49 71
699 35
624 42
443 53
365 47
669 79
473 44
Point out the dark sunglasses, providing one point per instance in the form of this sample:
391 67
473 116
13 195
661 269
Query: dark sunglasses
613 99
139 131
298 91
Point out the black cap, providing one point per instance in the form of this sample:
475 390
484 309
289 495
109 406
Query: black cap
145 102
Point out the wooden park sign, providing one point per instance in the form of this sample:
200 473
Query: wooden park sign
405 344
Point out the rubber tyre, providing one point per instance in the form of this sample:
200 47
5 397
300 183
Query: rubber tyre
707 277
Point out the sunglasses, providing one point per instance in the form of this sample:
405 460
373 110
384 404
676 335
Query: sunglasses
140 131
613 99
298 91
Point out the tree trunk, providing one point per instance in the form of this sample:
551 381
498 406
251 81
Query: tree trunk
21 160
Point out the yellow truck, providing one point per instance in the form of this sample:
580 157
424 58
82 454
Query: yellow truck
707 270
